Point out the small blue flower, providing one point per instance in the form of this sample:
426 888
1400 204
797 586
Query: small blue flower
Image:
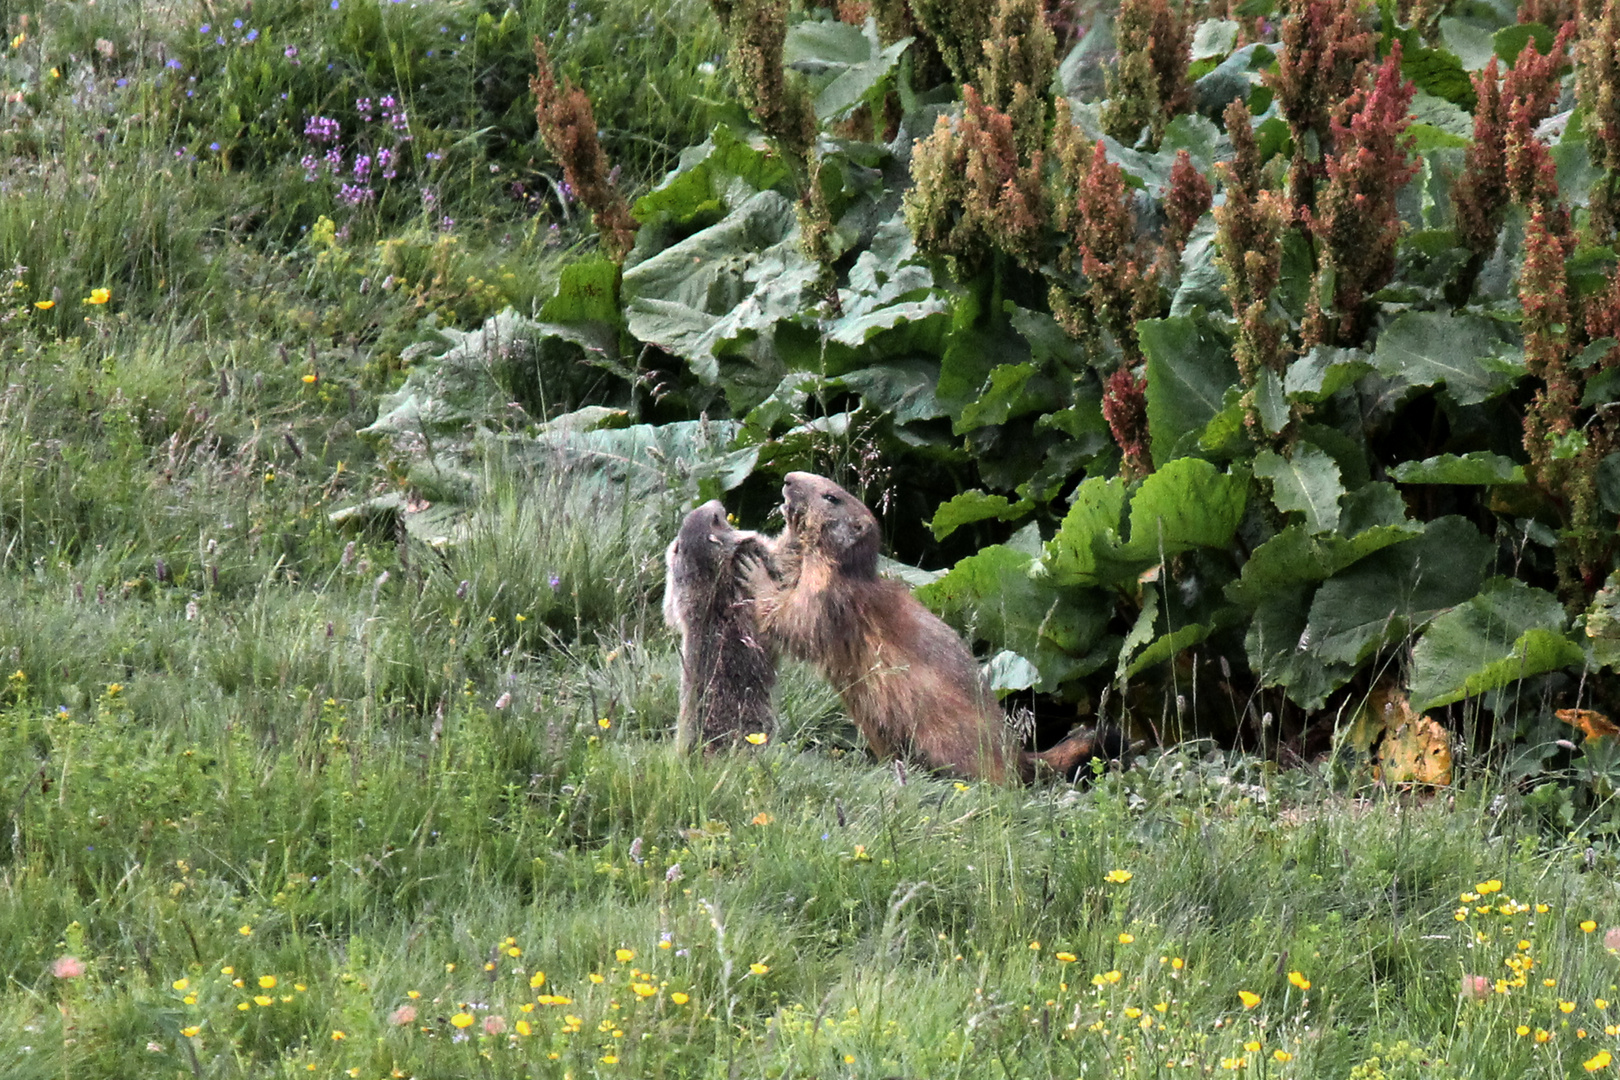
237 23
122 82
252 35
175 64
214 146
334 5
204 28
220 40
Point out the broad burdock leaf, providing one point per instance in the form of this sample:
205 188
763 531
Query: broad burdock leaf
1510 631
1467 353
726 285
1189 368
1186 504
1270 402
710 180
1479 467
1383 597
974 506
1296 556
1214 37
1602 624
1323 372
991 597
1306 482
1094 518
1471 43
844 63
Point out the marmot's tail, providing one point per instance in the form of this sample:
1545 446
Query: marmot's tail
1074 753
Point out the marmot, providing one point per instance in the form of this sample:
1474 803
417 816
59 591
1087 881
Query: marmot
907 679
727 670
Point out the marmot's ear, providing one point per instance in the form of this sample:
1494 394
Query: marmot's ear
856 540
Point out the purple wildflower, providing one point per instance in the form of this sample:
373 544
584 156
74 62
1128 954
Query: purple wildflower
252 35
362 167
321 130
355 195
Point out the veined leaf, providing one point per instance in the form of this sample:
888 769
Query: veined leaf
1508 632
1371 518
971 506
1479 467
991 596
1465 352
1189 367
1384 596
1307 482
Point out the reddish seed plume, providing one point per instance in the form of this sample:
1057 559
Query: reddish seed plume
1325 46
568 126
1603 318
1124 407
1188 197
1481 194
1356 220
1119 268
1597 89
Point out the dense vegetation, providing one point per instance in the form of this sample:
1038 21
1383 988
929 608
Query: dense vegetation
1243 376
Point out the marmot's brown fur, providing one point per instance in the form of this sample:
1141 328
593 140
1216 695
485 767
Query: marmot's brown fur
907 679
727 670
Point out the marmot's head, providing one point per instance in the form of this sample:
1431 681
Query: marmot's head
824 517
705 539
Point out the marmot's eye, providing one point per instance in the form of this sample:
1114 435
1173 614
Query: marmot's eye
831 498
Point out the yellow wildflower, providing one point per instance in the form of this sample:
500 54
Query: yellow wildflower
462 1020
1249 999
1299 980
1117 877
98 296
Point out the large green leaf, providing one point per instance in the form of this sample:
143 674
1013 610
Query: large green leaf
1188 503
1602 621
1371 518
1478 467
1306 482
1383 597
1438 72
1510 631
469 384
729 283
710 180
1093 519
970 507
1323 372
1277 647
845 63
991 596
1465 352
1189 367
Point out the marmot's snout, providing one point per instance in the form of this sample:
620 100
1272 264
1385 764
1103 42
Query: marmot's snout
794 493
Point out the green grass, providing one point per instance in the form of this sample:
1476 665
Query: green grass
236 735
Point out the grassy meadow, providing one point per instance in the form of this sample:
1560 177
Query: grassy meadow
286 796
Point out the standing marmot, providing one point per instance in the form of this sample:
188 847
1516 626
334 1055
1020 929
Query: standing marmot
727 672
907 679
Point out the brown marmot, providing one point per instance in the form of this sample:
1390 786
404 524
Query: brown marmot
727 669
907 679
